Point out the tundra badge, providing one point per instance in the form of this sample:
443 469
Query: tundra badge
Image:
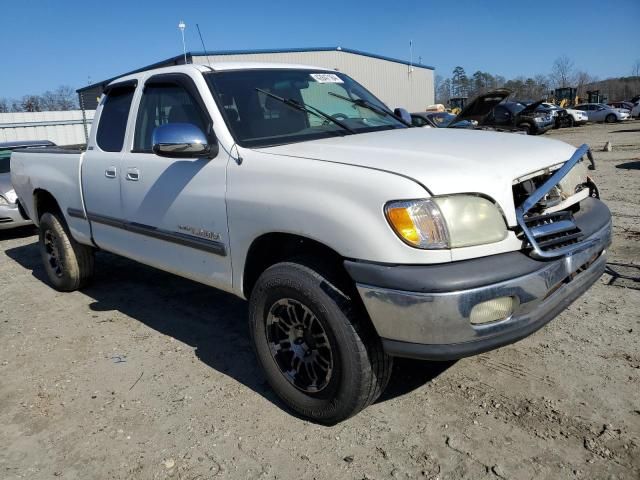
200 232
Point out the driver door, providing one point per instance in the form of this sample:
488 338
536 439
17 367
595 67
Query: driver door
175 207
599 113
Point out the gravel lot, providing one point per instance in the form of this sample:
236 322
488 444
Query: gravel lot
147 375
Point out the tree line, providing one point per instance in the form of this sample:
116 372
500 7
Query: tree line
62 98
563 74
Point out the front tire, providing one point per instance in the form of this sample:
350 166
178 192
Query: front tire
69 265
611 118
320 356
526 128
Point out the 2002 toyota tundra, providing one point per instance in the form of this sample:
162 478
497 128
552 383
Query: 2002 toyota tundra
354 237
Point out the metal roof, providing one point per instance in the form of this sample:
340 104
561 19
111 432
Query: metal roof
26 143
179 59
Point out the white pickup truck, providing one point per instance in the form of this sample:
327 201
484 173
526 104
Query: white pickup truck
354 238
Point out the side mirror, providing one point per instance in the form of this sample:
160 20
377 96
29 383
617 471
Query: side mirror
403 114
183 140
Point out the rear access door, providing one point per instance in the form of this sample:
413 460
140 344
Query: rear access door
101 169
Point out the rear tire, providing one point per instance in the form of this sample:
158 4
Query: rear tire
69 265
320 355
611 118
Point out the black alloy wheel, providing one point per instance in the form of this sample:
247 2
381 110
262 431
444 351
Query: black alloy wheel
52 253
299 345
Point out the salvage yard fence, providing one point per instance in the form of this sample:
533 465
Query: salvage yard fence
62 128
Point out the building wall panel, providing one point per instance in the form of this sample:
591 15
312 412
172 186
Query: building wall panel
62 128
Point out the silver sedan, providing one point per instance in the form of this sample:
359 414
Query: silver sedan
599 112
11 214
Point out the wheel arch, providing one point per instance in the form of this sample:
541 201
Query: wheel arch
44 201
274 247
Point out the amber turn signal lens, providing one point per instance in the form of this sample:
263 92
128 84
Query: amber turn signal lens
418 223
402 223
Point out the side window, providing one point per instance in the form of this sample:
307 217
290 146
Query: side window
163 104
501 114
113 120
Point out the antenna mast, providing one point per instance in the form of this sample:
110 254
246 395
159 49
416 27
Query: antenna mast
410 56
203 47
182 26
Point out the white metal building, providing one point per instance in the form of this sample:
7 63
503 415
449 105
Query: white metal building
398 83
62 128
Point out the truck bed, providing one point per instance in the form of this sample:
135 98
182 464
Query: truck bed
56 171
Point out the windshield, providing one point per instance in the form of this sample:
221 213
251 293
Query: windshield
257 119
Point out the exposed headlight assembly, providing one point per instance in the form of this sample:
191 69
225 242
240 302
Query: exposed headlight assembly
3 201
446 222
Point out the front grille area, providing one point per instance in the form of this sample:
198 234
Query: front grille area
553 231
547 233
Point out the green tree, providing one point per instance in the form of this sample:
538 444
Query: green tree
459 82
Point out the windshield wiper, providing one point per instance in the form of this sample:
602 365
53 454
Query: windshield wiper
303 107
365 104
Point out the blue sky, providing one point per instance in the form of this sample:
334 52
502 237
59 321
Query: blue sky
46 43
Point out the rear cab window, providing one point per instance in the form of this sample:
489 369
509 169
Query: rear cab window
113 119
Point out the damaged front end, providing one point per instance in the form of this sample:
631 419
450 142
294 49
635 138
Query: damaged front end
548 202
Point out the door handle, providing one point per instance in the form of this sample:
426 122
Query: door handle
111 172
133 174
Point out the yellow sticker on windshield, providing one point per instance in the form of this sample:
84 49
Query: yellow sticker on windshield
326 78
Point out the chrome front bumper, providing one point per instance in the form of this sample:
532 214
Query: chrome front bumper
437 325
10 217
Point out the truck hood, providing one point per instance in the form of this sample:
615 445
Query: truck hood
481 106
443 160
531 108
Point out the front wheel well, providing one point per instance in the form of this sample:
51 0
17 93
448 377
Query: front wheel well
272 248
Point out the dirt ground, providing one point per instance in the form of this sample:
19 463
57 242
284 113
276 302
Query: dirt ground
147 375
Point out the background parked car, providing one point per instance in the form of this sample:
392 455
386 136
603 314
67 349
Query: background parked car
559 115
489 111
11 213
599 112
623 105
520 117
438 120
421 119
575 117
635 111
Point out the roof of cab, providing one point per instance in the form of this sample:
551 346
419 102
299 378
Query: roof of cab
215 67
